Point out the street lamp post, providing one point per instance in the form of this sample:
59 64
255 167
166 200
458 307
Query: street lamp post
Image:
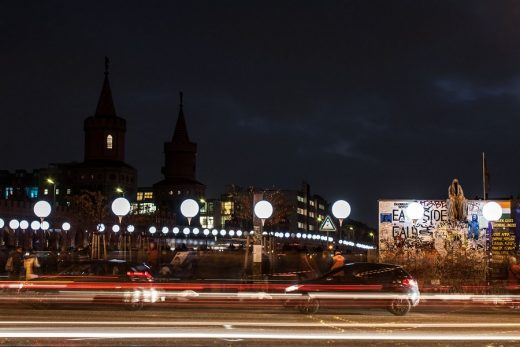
263 210
341 210
51 181
492 211
121 207
15 224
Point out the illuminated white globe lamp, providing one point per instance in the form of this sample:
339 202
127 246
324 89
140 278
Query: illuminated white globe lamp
100 227
152 230
206 232
175 230
130 228
263 210
66 226
116 228
165 230
14 224
2 223
45 225
24 225
189 209
120 207
414 211
341 210
42 209
35 225
492 211
186 231
239 233
196 231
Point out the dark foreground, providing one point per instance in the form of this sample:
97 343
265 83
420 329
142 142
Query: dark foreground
113 326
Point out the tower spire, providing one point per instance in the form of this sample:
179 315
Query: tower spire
105 106
180 134
107 64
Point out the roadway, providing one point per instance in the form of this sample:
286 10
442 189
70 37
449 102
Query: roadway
109 326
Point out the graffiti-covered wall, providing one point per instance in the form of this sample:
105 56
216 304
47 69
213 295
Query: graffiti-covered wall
441 236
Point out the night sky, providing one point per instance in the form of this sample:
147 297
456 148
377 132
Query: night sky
362 99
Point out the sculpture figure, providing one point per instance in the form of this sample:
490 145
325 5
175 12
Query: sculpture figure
457 209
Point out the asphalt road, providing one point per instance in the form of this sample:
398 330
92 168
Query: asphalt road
112 326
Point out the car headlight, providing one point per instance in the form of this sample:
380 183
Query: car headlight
292 288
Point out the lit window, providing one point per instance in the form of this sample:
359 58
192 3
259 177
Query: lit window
139 196
311 203
109 142
311 227
57 191
227 208
301 225
148 195
321 207
45 192
311 214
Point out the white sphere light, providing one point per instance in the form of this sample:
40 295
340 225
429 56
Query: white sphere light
492 211
100 227
66 226
175 230
223 232
45 225
231 233
414 211
42 209
206 232
189 208
286 235
341 209
165 230
186 231
115 228
214 232
120 207
130 228
263 209
152 230
2 223
24 224
35 225
239 232
14 224
196 231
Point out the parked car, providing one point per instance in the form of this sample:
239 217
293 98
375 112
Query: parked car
100 281
357 285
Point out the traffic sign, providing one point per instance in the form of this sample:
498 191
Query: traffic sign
328 225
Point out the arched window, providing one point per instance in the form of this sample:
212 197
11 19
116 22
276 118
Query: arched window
109 142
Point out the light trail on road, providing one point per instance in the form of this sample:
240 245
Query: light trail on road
260 330
260 335
237 324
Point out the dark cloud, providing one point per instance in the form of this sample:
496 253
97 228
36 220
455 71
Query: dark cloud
363 99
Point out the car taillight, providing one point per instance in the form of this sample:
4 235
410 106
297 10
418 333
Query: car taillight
409 282
143 274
